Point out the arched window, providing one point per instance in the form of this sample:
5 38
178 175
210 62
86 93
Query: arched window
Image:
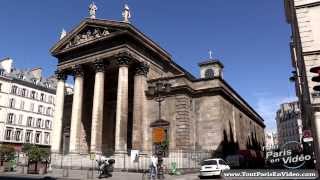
209 74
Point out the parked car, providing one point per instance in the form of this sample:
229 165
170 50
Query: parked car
213 167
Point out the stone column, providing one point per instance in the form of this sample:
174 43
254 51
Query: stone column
58 115
76 113
139 132
97 109
122 105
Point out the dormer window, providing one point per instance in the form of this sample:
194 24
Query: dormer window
21 76
47 85
34 81
1 72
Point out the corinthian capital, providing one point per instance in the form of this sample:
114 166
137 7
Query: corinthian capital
60 75
142 69
77 70
123 59
99 65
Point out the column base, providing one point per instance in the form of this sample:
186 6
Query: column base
121 152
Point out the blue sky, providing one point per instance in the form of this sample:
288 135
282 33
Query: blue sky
250 38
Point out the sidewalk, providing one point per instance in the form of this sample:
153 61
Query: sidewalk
87 175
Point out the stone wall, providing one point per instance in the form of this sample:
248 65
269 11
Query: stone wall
183 124
209 124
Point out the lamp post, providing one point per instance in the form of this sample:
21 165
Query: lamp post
158 90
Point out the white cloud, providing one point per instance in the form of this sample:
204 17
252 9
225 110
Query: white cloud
267 106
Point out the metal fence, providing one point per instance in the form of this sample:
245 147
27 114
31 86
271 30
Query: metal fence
179 159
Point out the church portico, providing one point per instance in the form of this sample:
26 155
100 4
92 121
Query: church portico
107 82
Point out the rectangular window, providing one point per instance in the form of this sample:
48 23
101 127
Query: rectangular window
46 138
41 97
38 123
20 119
14 89
18 135
22 105
38 137
33 94
11 103
50 99
29 121
8 134
28 136
47 124
31 107
40 109
10 118
23 92
48 111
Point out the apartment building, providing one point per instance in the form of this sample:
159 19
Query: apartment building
289 123
26 105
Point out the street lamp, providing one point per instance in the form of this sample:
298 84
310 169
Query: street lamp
157 91
161 87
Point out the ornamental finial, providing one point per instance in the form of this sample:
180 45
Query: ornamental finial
92 10
210 54
63 33
126 14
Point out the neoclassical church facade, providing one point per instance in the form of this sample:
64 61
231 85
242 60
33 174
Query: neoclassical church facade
114 66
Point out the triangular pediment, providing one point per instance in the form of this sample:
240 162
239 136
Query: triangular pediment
87 35
90 31
87 32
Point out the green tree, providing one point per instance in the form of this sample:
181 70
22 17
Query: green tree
7 152
36 153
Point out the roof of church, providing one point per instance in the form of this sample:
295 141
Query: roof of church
210 61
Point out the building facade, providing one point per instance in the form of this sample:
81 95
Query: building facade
303 17
26 105
112 109
289 123
271 139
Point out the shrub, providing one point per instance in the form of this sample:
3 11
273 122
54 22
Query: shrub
7 152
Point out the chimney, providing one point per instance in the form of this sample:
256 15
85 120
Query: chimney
6 64
37 73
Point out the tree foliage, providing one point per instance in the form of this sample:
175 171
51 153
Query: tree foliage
7 152
36 153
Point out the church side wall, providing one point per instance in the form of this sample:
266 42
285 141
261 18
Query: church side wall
209 124
241 125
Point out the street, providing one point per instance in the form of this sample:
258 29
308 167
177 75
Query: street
82 175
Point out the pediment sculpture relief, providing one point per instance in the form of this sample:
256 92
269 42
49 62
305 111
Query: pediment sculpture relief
87 35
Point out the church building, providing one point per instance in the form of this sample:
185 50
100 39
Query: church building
129 94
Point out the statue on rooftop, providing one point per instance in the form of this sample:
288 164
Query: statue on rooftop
92 10
126 14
